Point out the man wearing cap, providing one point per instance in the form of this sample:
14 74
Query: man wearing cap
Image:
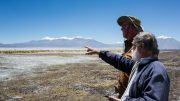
130 26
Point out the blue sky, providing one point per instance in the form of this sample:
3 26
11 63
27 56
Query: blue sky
26 20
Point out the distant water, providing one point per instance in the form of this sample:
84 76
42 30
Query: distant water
11 65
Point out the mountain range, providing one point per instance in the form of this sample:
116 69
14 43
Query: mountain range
78 42
168 43
61 43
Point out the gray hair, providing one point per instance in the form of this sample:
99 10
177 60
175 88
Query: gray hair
149 41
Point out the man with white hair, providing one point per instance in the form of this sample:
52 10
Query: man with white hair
148 79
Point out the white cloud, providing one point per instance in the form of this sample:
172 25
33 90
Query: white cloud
119 42
64 37
49 38
163 37
78 37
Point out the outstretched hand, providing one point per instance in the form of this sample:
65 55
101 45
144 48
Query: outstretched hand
91 51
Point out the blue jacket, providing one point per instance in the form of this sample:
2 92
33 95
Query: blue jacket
151 82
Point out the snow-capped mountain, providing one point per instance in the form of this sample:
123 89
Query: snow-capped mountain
168 43
80 42
67 38
62 42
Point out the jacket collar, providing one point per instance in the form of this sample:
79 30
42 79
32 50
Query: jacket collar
145 61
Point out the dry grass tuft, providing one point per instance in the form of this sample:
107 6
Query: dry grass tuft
76 81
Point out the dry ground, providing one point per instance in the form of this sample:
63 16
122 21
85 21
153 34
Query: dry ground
70 82
78 82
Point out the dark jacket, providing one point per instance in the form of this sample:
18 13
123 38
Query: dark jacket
151 82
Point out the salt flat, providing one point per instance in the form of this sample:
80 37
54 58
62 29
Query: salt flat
11 65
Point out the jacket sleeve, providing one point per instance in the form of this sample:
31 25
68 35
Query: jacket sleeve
155 87
118 61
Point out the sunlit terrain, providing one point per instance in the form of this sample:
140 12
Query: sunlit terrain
67 75
12 65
